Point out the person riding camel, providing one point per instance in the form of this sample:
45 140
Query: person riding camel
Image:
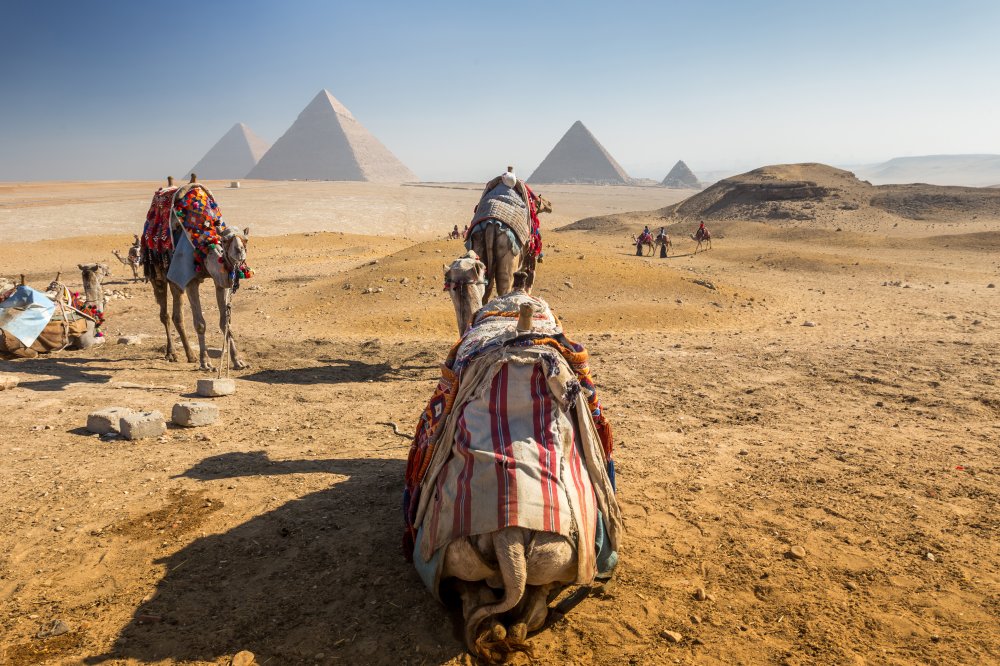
454 233
663 240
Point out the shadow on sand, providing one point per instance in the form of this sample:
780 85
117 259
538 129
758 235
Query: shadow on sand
343 371
59 372
318 579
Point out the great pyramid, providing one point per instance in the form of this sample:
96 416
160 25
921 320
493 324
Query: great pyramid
681 177
326 142
232 156
579 158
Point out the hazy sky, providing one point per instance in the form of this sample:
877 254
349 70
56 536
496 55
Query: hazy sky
135 90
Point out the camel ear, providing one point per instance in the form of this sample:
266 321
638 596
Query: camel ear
246 232
446 268
81 267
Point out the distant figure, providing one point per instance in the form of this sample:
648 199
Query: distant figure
454 233
663 240
645 239
703 235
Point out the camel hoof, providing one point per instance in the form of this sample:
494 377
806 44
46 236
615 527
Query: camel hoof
207 367
171 357
240 365
518 633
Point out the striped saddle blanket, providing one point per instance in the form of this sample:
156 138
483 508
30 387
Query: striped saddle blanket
512 443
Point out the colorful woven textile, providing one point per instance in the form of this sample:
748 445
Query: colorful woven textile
535 241
493 336
157 245
199 214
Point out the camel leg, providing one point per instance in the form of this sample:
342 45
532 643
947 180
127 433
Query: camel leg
177 316
505 258
160 294
221 294
194 298
479 246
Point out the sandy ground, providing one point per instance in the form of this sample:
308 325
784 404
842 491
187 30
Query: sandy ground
871 440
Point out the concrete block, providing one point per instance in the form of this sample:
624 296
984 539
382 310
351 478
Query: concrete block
193 414
142 425
211 388
8 382
106 420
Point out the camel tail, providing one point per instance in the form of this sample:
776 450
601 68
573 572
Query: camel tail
508 546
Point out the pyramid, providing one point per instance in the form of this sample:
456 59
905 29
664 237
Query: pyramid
579 158
681 177
232 156
326 142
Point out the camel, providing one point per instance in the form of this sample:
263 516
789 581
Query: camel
219 264
664 243
506 576
703 235
133 260
642 242
494 241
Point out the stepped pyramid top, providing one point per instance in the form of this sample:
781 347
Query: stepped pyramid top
232 156
681 177
326 142
579 158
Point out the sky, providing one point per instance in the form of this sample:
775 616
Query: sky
457 90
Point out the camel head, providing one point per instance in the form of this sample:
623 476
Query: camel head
92 276
465 280
542 205
235 246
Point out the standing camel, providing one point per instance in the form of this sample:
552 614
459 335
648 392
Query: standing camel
219 254
642 242
703 235
133 260
504 231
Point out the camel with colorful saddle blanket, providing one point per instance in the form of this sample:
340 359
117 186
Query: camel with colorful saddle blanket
509 491
505 231
184 242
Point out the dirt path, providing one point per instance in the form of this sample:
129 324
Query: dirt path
871 440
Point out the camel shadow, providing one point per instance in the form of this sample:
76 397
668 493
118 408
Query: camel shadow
320 578
342 371
61 372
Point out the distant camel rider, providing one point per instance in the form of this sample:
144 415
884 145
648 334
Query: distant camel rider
454 233
663 240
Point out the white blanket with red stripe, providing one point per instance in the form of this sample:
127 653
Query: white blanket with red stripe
519 457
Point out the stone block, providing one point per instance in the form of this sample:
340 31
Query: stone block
8 382
106 420
212 388
193 414
142 425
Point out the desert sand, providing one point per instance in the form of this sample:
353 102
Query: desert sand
827 384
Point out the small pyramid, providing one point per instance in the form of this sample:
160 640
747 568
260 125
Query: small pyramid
681 177
232 156
326 142
579 158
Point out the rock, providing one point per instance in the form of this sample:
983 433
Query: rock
106 421
193 414
810 324
671 636
796 553
130 340
243 658
568 284
8 382
991 286
930 557
213 388
695 619
699 594
705 283
58 628
142 425
743 452
851 585
347 285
